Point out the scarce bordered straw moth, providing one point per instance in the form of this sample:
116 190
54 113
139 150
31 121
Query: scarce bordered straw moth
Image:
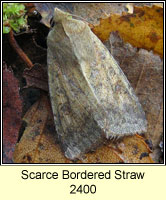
90 95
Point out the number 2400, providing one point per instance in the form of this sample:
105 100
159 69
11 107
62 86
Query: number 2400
83 189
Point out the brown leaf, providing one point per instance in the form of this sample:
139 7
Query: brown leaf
38 143
36 77
143 28
90 12
12 110
144 70
131 149
135 150
140 26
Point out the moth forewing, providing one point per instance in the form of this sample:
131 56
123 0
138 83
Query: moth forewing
108 83
89 92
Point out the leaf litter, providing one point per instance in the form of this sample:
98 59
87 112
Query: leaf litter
12 113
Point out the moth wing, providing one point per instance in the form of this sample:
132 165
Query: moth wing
123 114
89 93
73 103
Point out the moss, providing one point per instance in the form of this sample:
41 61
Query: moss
14 17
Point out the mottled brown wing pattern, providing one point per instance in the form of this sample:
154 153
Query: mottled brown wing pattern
89 92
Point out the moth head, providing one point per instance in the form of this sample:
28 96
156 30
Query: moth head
60 15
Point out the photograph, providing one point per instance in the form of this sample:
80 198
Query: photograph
82 83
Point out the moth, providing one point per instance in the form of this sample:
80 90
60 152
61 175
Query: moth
91 97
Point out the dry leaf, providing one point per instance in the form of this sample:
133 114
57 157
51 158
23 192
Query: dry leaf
144 70
135 150
90 12
36 77
39 143
12 110
143 28
138 24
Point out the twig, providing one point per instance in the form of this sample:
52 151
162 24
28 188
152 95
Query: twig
19 51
